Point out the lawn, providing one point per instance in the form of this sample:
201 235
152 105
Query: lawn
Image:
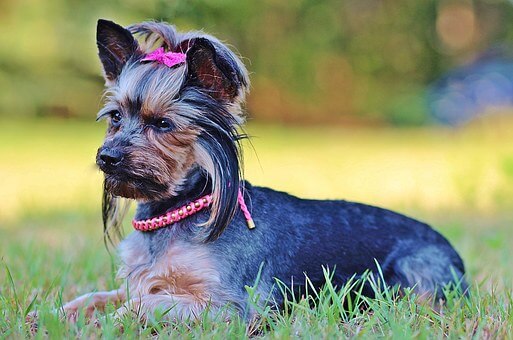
460 181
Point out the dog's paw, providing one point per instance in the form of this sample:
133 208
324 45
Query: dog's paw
80 306
69 312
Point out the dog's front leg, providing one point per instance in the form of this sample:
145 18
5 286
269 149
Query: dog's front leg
88 303
170 307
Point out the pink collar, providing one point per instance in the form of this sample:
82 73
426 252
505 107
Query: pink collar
189 209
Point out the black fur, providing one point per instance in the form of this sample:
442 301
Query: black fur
220 138
116 46
213 70
296 237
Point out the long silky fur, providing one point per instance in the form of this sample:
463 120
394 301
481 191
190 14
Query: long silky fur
220 139
114 210
218 124
219 135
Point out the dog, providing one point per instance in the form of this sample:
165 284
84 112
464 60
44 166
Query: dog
174 106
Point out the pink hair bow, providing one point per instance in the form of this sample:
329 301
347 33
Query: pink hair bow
169 59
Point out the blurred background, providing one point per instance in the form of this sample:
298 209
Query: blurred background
403 104
354 61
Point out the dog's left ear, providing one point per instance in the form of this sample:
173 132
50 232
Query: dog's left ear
214 68
116 46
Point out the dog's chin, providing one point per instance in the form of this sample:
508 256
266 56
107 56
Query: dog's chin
131 189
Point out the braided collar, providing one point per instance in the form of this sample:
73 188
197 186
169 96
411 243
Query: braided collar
186 210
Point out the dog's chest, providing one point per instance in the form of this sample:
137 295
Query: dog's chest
181 269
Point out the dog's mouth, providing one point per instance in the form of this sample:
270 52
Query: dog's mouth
121 182
134 187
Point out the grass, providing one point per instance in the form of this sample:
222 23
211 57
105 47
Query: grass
51 246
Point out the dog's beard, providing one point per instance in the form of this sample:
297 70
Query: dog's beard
139 188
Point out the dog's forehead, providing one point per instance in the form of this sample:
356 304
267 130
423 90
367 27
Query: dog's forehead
150 86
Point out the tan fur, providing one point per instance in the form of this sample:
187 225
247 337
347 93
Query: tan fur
204 160
89 303
165 158
183 282
175 157
184 277
183 269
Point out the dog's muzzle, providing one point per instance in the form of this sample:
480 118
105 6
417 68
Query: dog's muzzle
109 159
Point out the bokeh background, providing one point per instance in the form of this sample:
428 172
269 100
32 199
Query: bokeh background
402 104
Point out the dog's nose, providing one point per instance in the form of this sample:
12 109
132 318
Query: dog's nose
110 158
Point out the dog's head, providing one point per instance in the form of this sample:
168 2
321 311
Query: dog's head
165 121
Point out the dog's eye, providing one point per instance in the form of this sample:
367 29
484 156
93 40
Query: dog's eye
115 117
163 124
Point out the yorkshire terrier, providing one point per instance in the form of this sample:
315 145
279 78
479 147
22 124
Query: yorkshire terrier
174 111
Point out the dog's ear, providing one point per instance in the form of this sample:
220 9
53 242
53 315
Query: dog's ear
214 68
115 47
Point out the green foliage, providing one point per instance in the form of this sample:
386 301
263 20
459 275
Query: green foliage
310 60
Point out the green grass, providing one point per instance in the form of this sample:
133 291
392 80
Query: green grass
52 250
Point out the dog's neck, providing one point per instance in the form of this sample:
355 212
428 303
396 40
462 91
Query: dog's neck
196 184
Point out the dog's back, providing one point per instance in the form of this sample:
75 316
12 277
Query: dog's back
296 237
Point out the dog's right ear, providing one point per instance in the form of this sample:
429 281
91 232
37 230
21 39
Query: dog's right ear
115 47
213 67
